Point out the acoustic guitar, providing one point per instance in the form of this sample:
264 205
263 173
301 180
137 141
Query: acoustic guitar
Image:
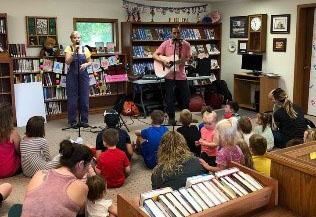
162 70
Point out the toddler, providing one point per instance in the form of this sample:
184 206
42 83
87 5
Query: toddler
231 109
264 129
96 204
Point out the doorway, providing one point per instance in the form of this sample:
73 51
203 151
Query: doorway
303 48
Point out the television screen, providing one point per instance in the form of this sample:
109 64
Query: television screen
252 62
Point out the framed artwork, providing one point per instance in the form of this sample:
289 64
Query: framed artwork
279 44
242 47
280 24
239 27
40 28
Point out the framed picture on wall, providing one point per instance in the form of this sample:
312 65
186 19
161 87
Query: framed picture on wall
242 47
239 27
40 28
279 44
280 24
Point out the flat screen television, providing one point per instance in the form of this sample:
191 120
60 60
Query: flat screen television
252 62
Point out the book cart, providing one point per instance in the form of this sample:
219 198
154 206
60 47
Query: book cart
265 198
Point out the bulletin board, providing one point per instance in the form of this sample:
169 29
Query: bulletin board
39 28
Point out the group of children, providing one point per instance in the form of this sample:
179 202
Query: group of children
216 143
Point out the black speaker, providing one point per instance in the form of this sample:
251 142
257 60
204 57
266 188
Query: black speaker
111 118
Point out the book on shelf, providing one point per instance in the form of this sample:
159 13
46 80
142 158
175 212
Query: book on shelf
152 208
47 65
63 81
196 179
104 63
100 47
17 50
2 26
96 65
92 80
58 67
110 47
212 49
209 34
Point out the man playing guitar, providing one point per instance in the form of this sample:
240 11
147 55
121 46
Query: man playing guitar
177 79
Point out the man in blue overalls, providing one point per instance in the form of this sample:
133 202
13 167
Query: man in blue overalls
77 86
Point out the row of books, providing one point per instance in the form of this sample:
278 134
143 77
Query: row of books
17 50
148 34
53 108
2 26
210 49
151 33
143 51
143 68
201 193
27 78
52 93
26 65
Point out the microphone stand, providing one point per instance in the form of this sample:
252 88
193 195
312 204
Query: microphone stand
78 100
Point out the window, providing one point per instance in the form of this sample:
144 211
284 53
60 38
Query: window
97 30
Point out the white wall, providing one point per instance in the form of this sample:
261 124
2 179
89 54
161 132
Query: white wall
275 62
66 10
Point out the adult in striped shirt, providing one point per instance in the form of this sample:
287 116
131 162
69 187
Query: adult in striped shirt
34 148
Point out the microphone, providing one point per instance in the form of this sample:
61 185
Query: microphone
77 45
179 40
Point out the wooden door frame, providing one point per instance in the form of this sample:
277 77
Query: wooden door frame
303 52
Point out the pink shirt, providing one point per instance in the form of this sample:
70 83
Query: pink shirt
167 49
229 153
10 161
208 135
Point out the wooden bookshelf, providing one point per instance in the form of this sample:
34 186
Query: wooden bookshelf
6 82
265 198
129 40
3 33
56 103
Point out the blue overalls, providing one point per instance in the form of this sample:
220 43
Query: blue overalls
73 93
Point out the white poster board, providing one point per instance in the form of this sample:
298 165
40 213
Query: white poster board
29 101
312 79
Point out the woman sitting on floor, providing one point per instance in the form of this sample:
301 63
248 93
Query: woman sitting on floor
60 192
175 163
289 119
34 148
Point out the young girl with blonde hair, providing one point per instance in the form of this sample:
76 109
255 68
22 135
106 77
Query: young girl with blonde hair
175 163
225 137
310 135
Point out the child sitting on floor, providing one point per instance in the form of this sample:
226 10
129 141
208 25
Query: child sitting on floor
246 151
35 153
150 138
264 129
113 163
208 146
189 131
245 128
258 148
111 119
96 204
205 109
231 109
225 137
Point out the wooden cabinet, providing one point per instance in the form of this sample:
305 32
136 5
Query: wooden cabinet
102 91
296 174
248 87
264 198
141 39
6 82
257 33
